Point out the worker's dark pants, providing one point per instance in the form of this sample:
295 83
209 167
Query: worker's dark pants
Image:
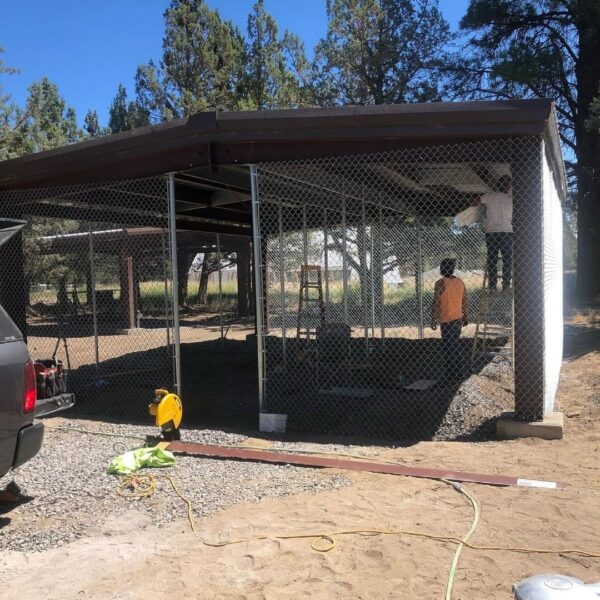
499 243
451 347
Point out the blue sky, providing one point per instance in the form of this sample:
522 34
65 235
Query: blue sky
88 47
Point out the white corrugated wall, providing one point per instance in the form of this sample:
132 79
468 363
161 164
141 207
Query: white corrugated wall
553 289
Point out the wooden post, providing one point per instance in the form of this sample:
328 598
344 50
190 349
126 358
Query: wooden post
128 284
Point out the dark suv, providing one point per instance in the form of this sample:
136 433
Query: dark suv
20 437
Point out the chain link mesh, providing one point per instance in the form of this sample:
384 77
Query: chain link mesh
350 251
348 342
216 325
92 284
95 289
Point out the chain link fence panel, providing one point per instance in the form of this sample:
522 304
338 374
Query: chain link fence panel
350 258
216 326
92 287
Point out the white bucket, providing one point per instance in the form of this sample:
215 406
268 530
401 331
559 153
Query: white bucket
272 423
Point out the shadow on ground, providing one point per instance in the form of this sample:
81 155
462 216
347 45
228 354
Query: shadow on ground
220 391
580 340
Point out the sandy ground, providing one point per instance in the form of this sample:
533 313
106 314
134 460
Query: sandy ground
199 328
128 557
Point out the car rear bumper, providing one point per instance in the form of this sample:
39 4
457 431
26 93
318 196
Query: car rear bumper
29 442
47 406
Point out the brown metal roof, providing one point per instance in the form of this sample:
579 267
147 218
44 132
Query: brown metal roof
235 138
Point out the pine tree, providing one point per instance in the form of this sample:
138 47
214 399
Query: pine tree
123 115
47 122
117 113
202 67
92 124
266 70
9 137
382 51
547 48
309 86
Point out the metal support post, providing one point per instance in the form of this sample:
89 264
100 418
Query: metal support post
419 278
372 279
326 261
220 288
304 236
282 283
258 284
94 309
175 279
381 274
363 275
164 240
344 263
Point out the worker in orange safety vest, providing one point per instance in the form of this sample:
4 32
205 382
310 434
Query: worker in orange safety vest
451 310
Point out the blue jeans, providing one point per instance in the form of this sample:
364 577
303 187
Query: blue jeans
499 243
451 346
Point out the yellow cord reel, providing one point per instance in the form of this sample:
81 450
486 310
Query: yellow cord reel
168 412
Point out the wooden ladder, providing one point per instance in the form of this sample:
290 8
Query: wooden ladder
500 306
305 299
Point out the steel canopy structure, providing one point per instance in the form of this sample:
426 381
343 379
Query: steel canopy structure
246 176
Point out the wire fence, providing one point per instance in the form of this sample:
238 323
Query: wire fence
92 286
346 290
351 255
97 289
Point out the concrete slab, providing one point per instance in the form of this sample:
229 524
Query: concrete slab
551 428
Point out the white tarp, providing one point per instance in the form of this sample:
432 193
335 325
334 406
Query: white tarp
469 216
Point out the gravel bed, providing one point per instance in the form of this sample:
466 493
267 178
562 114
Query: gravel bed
478 403
71 495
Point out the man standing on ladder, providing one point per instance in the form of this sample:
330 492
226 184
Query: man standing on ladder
498 232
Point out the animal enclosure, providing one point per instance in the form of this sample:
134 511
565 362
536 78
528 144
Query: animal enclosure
286 262
351 248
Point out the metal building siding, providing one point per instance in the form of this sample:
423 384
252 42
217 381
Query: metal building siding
553 288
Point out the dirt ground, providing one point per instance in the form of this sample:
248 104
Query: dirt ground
129 557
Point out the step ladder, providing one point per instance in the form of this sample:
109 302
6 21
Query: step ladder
494 322
310 279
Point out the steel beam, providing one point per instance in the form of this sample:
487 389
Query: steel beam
258 285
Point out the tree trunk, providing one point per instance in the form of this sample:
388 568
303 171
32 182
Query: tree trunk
202 296
62 297
588 237
183 267
243 280
588 153
89 288
363 271
377 265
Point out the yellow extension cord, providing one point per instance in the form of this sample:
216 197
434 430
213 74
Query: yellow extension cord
451 574
144 485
